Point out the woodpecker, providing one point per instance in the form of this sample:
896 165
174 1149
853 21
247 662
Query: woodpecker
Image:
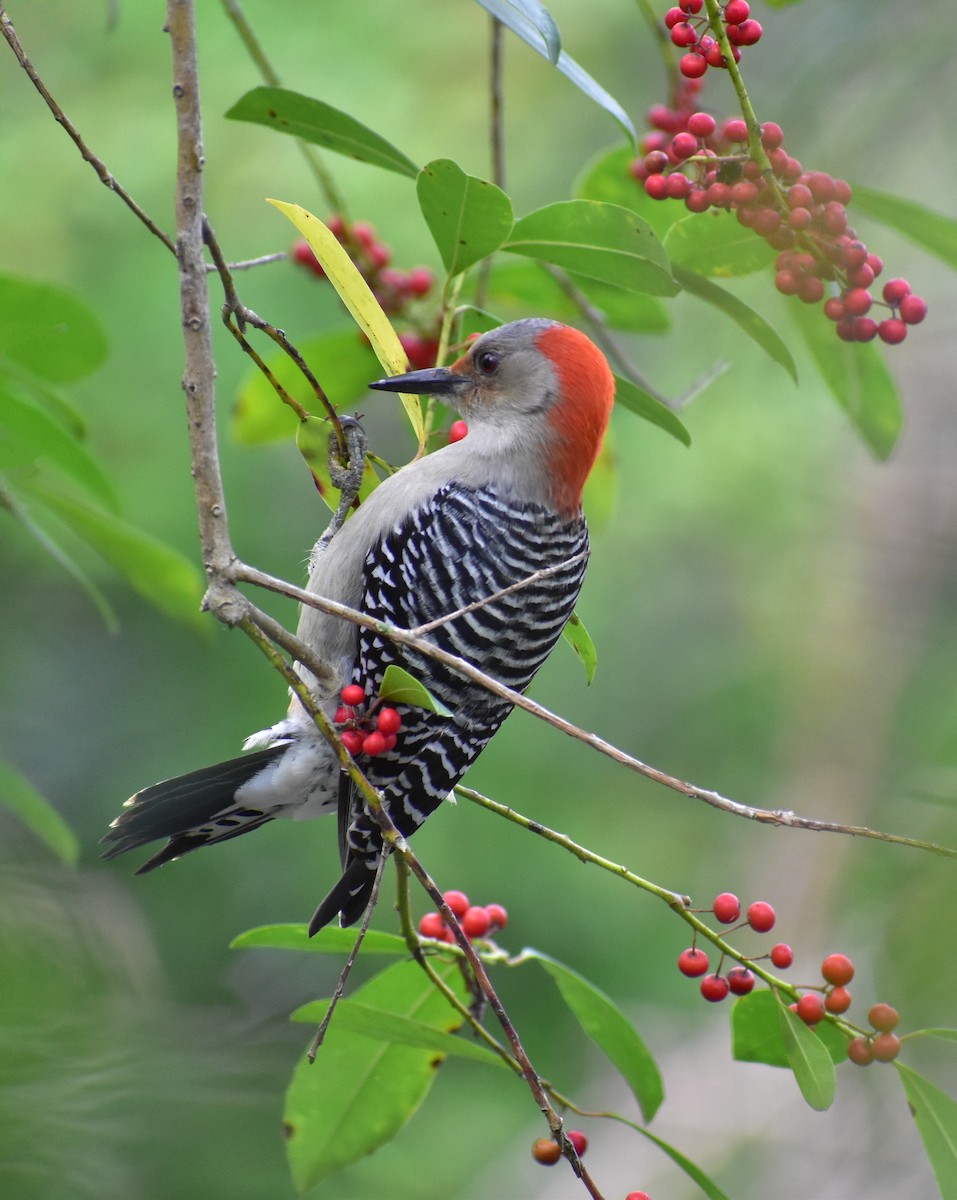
448 531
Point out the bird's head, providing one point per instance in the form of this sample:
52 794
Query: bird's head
532 388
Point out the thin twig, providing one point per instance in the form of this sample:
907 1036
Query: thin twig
248 263
104 175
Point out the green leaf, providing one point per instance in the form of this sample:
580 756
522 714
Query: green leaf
629 395
857 377
580 641
716 244
160 574
753 324
517 15
707 1185
468 217
809 1060
343 362
608 178
399 687
36 812
611 1031
48 331
360 1092
935 1114
28 433
947 1035
927 228
331 940
757 1036
602 241
385 1026
314 121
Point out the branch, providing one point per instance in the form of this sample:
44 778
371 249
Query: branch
103 174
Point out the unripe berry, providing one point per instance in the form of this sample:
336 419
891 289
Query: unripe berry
761 916
886 1047
388 721
727 908
714 988
692 66
353 694
837 969
373 744
457 431
883 1017
578 1140
810 1008
432 926
458 902
497 916
837 1001
860 1050
476 922
546 1151
692 962
740 980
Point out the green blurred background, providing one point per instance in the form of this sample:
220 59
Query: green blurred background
774 613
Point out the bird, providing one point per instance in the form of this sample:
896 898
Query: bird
491 524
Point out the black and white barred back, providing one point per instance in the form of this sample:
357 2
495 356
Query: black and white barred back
462 545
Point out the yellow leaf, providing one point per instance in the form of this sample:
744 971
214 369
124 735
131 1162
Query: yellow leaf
357 296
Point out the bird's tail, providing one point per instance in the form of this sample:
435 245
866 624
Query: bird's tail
349 898
191 810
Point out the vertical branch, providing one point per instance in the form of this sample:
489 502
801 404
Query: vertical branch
200 372
496 132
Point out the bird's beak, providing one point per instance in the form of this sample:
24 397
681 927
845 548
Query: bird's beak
433 381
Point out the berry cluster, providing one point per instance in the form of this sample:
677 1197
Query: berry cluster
372 729
477 921
692 32
394 290
547 1151
694 962
883 1045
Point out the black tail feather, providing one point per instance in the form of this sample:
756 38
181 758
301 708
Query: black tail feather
349 898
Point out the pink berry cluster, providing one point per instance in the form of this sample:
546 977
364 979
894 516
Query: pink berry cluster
691 32
395 290
694 962
366 729
477 920
547 1151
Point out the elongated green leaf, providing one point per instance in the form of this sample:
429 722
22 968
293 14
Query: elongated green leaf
517 15
399 687
48 331
753 324
36 812
602 241
315 121
611 1031
707 1185
360 1092
808 1059
468 217
935 1114
580 641
629 395
857 377
922 225
757 1036
385 1026
29 433
331 940
715 244
162 575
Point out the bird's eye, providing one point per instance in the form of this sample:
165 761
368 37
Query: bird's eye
487 362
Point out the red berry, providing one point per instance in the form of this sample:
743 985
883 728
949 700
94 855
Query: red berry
701 124
692 66
810 1008
857 302
388 721
684 145
727 908
719 195
476 922
749 32
364 234
432 926
578 1140
697 200
740 980
837 969
834 308
886 1047
892 331
913 309
419 281
692 962
782 955
457 431
420 352
714 988
458 902
679 186
772 135
737 11
735 130
672 17
546 1151
637 1196
846 329
743 192
761 916
373 744
838 1000
860 1050
342 714
656 186
895 290
811 289
865 329
860 277
498 917
883 1017
656 162
691 6
353 694
352 739
683 35
302 254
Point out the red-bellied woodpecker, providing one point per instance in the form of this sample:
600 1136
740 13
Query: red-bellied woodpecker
448 531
